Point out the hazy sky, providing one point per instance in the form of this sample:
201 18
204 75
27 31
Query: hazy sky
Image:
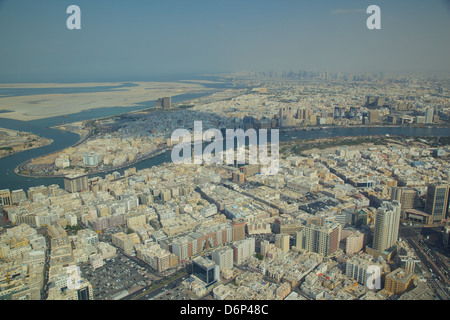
135 39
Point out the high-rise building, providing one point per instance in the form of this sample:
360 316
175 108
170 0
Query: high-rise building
18 195
374 116
356 218
243 249
90 159
238 177
285 116
304 114
354 243
387 222
286 112
85 291
184 248
437 202
238 230
406 197
355 113
123 241
223 257
398 281
323 240
76 183
82 291
164 103
5 197
339 113
375 102
282 242
264 247
205 270
361 268
429 113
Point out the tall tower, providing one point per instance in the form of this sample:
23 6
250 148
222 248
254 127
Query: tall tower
429 113
205 270
387 222
406 197
323 240
243 249
338 112
76 183
282 242
238 230
437 202
166 103
223 257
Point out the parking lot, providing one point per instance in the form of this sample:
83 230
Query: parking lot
117 275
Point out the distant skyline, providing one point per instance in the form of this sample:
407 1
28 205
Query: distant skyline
141 39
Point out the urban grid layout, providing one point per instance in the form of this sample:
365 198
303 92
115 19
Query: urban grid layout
336 208
354 204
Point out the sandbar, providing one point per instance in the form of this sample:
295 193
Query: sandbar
41 106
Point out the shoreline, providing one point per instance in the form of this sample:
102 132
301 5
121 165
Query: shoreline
81 140
13 141
38 106
28 149
160 151
176 106
125 165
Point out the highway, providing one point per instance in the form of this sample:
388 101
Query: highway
157 287
439 279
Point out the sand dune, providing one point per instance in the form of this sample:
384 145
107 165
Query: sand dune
32 107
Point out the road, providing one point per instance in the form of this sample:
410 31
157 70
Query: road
414 237
155 288
44 290
429 258
439 279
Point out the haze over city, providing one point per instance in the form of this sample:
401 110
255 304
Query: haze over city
141 39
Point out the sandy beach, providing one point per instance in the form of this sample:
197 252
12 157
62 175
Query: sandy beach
32 107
